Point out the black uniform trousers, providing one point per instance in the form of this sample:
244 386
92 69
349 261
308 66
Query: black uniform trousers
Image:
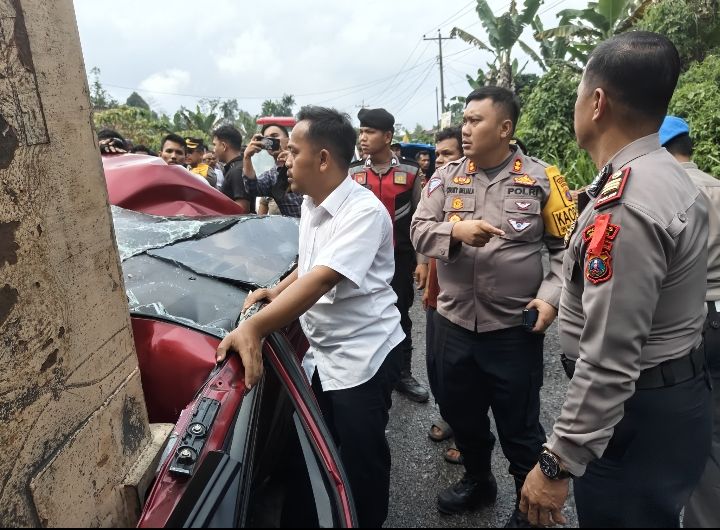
357 418
653 461
403 285
703 509
499 370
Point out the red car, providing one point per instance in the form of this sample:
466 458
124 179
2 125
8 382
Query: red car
236 457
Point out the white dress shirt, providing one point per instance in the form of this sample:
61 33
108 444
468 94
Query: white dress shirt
354 326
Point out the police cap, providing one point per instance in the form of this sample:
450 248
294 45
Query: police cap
379 119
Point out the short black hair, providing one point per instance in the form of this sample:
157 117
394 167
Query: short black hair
109 134
450 133
140 149
172 137
229 134
331 130
499 96
680 145
421 153
268 125
639 69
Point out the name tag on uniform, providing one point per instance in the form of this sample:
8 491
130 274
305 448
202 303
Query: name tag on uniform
400 178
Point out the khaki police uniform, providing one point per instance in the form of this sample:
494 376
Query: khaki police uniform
703 510
485 358
635 426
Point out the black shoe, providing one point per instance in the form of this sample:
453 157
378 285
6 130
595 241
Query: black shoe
518 520
468 495
413 390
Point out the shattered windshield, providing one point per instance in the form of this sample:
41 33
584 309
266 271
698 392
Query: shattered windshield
198 272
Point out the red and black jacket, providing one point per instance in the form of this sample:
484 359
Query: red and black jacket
395 191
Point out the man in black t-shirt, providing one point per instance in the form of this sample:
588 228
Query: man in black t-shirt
227 145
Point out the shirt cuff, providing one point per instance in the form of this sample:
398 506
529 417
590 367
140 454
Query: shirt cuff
574 458
451 251
550 293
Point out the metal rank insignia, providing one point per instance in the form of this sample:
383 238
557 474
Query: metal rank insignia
525 180
454 218
457 203
462 181
400 178
472 168
517 166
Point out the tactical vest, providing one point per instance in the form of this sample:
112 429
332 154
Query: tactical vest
395 190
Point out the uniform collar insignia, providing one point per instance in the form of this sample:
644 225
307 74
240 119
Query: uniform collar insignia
517 165
471 167
600 179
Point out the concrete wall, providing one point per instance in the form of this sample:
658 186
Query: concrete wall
71 405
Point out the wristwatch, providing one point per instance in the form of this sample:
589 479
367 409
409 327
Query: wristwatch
550 466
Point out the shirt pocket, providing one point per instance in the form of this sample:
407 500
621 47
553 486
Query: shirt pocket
459 208
522 220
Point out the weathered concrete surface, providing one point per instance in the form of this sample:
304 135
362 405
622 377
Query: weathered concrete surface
66 347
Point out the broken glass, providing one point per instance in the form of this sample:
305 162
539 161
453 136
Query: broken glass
198 272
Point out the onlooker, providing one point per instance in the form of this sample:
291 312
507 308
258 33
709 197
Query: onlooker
111 142
273 183
142 150
702 511
423 160
396 148
448 147
227 146
172 150
194 159
211 160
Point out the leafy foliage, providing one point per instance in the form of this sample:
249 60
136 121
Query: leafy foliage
692 25
697 100
136 124
503 35
99 97
546 125
136 100
280 107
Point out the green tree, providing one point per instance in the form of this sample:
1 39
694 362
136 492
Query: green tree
100 99
199 119
546 125
503 35
692 25
281 107
136 124
697 100
136 100
580 30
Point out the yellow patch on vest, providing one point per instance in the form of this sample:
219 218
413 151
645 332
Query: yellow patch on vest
560 211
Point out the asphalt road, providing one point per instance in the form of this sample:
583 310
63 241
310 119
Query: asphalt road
419 470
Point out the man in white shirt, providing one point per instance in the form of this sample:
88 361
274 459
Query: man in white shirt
341 293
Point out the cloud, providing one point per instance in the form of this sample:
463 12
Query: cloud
167 82
252 52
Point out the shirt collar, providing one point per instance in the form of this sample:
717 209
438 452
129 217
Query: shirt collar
335 200
640 147
394 162
689 165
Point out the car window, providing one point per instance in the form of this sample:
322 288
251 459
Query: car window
289 486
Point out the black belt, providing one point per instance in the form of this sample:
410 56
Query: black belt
665 374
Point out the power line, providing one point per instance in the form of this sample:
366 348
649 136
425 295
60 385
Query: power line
454 16
415 92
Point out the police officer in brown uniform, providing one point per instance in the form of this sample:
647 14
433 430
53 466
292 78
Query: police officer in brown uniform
636 424
486 218
703 509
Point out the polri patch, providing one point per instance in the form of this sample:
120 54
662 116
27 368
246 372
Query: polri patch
433 184
599 268
525 180
400 178
613 188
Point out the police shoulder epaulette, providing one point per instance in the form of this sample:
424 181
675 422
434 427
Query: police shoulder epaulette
357 163
541 162
613 189
355 167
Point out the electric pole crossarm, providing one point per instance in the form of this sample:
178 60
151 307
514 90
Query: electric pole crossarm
440 40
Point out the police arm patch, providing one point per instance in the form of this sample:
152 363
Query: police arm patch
599 237
560 211
433 184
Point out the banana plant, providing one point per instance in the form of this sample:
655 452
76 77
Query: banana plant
503 35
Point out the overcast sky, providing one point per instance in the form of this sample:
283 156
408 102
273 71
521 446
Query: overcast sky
339 54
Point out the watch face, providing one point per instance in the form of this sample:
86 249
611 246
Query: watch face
549 465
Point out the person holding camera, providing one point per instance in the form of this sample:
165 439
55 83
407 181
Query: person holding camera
274 182
485 218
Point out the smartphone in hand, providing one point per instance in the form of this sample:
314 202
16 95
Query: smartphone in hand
530 317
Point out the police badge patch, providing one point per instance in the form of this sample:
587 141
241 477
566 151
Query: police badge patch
525 180
400 178
599 268
519 226
361 178
457 203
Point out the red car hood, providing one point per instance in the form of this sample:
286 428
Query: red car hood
147 184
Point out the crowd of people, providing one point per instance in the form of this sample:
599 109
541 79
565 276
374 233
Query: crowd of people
632 275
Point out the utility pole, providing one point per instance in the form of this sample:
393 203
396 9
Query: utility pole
440 40
437 108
